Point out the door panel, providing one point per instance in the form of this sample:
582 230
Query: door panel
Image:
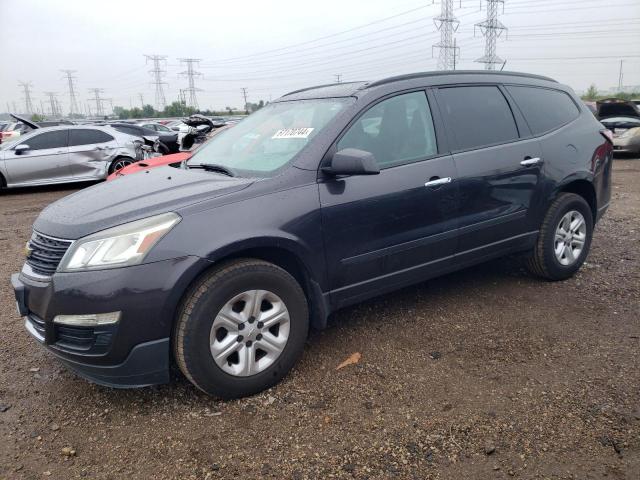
40 164
496 191
378 228
90 153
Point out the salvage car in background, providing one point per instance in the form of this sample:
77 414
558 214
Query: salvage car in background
65 154
626 133
168 140
616 107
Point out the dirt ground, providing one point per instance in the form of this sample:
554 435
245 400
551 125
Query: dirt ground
482 374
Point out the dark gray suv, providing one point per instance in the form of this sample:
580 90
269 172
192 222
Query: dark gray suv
324 198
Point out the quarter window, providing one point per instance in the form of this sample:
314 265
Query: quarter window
56 139
88 137
477 116
543 108
396 131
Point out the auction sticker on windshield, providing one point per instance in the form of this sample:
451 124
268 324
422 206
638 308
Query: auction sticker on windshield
293 133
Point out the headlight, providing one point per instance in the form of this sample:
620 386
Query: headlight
631 132
119 246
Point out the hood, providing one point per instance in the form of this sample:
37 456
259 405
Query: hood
615 107
28 123
132 197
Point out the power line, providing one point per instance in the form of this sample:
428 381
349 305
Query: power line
491 29
28 105
73 103
244 94
447 24
99 101
53 104
191 74
158 73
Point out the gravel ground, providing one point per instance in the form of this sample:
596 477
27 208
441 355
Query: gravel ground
486 373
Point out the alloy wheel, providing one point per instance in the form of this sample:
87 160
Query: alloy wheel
570 237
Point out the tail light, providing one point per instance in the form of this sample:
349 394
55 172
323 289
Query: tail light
608 134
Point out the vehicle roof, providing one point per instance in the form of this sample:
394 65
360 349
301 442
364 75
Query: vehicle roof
348 89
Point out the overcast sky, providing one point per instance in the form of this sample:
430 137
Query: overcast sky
271 47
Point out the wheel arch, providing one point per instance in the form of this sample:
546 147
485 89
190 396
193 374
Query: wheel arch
584 188
283 254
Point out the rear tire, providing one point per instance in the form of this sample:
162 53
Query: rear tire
119 163
564 239
219 317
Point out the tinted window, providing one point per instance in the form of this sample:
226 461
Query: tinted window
57 139
477 116
397 130
88 137
544 109
127 129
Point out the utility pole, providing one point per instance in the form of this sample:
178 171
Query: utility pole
620 78
338 77
53 103
8 108
141 100
28 105
15 107
73 101
491 29
158 73
96 98
244 94
191 74
447 24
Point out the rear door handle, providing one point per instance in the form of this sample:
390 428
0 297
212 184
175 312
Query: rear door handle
528 162
438 181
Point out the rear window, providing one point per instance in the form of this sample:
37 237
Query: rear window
478 116
88 137
544 109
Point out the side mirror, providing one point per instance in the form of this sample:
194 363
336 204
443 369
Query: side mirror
22 148
351 161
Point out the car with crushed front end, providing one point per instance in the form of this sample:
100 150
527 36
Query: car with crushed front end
324 198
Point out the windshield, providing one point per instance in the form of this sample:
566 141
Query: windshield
267 140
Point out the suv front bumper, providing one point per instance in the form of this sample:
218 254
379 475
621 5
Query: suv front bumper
134 352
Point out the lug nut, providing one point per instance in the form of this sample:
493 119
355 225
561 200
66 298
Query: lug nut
252 319
248 344
240 338
241 326
260 324
259 336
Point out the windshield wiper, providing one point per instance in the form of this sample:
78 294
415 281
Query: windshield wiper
211 167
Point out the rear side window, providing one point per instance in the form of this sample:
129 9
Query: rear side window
88 137
544 109
129 130
56 139
477 116
397 130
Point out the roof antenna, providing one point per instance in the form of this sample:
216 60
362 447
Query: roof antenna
503 64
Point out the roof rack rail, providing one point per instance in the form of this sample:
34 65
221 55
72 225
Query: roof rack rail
318 86
411 76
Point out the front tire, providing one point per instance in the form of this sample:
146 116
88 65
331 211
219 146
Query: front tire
564 239
241 328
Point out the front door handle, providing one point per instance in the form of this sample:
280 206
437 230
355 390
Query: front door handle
435 182
528 161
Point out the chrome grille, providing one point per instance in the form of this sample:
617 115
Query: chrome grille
46 253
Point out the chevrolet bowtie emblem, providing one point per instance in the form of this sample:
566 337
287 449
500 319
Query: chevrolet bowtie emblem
27 249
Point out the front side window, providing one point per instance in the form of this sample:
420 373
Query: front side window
269 139
87 137
544 109
46 140
477 116
396 131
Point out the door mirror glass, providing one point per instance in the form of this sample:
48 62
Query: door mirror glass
351 161
22 148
